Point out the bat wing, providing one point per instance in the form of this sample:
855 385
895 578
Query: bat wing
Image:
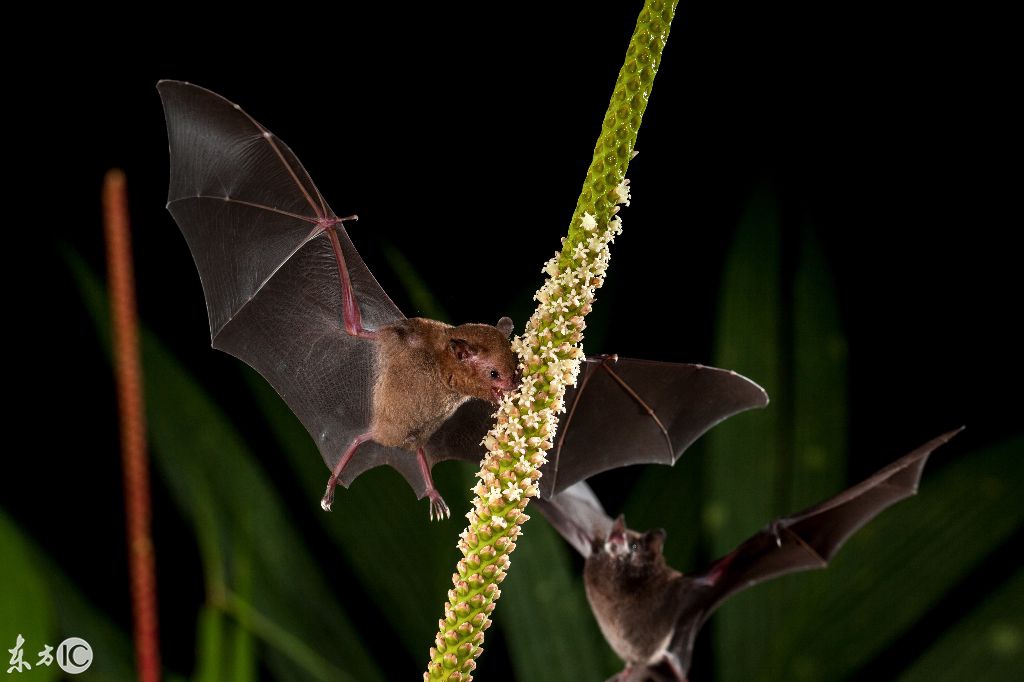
259 231
578 516
809 539
461 437
624 412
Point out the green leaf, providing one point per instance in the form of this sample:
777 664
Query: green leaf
46 608
987 645
743 468
812 464
241 647
28 608
210 636
817 463
782 329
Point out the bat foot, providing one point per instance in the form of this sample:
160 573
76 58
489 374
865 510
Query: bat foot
328 499
438 508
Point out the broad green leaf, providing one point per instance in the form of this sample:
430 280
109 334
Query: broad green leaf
987 645
817 459
46 608
742 469
812 464
782 329
28 607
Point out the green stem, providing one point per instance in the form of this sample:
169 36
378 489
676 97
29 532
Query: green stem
550 356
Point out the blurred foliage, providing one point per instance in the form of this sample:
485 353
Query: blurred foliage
274 606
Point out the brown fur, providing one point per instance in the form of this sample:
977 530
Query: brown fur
427 369
635 596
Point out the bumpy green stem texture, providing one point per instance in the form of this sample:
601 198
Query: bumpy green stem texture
614 147
550 355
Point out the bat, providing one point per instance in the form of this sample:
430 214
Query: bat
650 613
287 293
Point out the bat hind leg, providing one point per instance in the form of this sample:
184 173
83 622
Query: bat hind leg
438 508
352 316
332 482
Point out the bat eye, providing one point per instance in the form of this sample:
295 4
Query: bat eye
494 374
633 547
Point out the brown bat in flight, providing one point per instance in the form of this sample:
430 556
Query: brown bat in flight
287 292
650 613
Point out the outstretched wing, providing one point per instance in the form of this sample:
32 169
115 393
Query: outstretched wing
259 232
624 412
621 412
809 539
578 516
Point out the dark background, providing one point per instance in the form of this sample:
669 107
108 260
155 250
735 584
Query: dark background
462 138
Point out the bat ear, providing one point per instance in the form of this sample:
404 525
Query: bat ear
619 527
505 326
461 349
655 539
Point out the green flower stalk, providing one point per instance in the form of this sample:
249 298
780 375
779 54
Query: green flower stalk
550 354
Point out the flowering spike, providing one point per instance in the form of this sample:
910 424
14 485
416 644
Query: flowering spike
550 354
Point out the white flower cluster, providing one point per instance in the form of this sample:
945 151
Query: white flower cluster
550 355
549 360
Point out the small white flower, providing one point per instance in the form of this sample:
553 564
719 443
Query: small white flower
588 222
494 495
513 492
622 192
531 418
519 445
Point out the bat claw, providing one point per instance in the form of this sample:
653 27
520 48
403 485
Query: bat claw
438 509
328 499
775 529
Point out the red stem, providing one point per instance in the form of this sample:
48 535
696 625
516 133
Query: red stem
128 375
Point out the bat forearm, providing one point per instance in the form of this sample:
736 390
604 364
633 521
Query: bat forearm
351 314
